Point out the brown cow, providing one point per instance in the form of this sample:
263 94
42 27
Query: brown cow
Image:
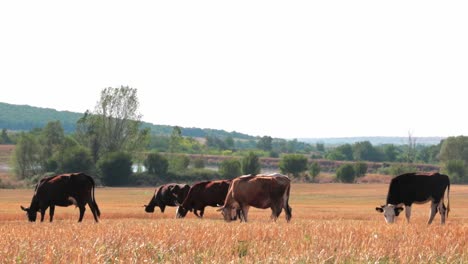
63 190
260 191
202 194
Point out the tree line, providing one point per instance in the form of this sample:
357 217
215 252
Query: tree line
112 143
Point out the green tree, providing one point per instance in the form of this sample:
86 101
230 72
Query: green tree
4 138
156 164
365 151
265 143
199 163
390 152
293 164
114 125
345 173
456 170
176 140
360 169
76 159
178 163
314 169
251 164
230 168
320 147
115 168
26 157
453 153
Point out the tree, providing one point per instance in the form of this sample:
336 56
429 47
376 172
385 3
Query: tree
360 169
230 168
410 154
114 124
27 156
345 173
265 143
115 168
453 154
178 163
4 138
314 169
390 152
293 164
456 170
199 163
76 159
251 164
156 164
176 139
365 151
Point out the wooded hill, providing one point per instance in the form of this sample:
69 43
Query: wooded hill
25 117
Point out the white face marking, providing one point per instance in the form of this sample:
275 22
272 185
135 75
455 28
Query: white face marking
389 213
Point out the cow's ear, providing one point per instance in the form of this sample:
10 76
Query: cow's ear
398 210
24 209
176 188
379 209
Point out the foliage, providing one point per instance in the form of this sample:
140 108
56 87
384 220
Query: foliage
26 157
175 140
115 168
314 169
345 173
265 143
230 168
360 168
4 138
365 151
397 169
199 163
114 125
156 164
76 159
250 164
293 164
178 163
343 152
456 170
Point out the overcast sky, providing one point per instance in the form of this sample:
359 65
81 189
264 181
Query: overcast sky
290 69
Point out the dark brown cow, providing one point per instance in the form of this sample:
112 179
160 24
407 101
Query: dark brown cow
260 191
418 188
171 194
202 194
63 190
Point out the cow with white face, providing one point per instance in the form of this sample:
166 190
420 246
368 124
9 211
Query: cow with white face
418 188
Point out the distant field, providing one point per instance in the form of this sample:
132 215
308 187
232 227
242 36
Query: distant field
332 223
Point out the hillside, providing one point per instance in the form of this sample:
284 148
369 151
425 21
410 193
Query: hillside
25 117
373 140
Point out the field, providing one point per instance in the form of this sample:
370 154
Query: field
332 223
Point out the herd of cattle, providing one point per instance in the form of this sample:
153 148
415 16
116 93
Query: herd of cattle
234 197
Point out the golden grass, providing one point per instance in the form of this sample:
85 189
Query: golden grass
332 223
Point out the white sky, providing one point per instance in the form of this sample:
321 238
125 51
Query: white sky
289 69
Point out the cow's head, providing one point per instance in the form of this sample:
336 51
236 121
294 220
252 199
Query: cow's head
149 209
228 213
390 211
181 212
32 214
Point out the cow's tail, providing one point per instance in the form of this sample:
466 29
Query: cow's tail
286 206
93 198
448 199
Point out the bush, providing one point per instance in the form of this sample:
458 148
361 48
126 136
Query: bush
251 164
178 163
76 159
230 168
293 164
115 168
360 168
199 163
456 170
314 169
156 164
346 173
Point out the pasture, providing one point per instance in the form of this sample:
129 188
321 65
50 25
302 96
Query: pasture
332 223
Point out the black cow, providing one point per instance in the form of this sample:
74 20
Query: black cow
418 188
202 194
63 190
171 194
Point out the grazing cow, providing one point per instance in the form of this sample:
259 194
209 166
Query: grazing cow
63 190
171 194
418 188
260 191
202 194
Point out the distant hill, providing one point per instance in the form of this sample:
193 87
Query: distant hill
25 117
373 140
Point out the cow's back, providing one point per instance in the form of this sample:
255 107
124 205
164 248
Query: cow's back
259 191
417 187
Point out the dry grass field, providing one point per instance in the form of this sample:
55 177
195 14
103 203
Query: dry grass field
332 223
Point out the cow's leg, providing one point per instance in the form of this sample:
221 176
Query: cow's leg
94 211
442 211
196 213
276 210
43 210
408 212
245 212
202 212
51 212
82 211
162 207
433 212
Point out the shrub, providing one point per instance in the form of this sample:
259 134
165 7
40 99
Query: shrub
178 163
314 169
115 168
293 163
456 170
360 168
199 163
76 159
156 164
251 164
345 173
230 168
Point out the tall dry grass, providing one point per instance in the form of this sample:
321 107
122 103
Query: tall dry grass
332 223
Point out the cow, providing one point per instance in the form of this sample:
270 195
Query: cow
260 191
202 194
63 190
418 188
171 194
